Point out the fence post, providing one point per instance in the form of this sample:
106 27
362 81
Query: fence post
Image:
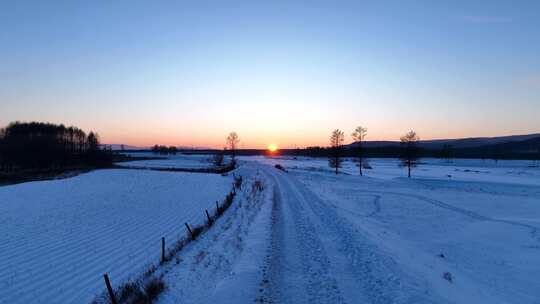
109 289
163 249
208 216
190 232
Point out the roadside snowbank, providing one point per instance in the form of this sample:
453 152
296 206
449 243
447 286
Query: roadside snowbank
224 266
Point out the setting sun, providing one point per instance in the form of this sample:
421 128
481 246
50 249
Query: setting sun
272 148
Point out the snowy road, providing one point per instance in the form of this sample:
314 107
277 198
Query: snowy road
317 256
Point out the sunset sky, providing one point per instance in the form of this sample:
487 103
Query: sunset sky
283 72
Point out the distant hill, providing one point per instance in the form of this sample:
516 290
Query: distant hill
530 145
476 141
460 143
501 147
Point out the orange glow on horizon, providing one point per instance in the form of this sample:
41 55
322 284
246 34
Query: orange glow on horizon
249 140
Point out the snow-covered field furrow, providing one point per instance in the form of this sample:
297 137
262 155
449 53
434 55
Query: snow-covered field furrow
64 234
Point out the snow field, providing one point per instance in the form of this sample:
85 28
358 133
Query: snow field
63 235
309 236
172 161
473 170
483 231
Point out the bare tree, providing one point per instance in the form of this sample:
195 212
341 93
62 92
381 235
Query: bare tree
336 147
232 143
409 157
358 136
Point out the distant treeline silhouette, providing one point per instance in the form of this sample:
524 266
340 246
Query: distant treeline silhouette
37 145
526 150
164 150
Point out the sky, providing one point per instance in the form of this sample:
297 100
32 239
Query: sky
187 73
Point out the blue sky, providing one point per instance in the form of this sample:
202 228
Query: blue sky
284 72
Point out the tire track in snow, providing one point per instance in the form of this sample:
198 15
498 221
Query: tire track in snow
468 213
299 268
376 206
358 271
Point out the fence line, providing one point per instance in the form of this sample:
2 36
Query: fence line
129 287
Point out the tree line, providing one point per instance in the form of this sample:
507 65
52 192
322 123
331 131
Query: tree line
164 150
37 145
446 152
408 155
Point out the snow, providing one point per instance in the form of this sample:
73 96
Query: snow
384 238
461 232
170 161
225 265
59 237
507 172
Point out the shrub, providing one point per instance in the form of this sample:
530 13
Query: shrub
280 167
153 288
237 181
217 159
448 276
366 165
141 291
